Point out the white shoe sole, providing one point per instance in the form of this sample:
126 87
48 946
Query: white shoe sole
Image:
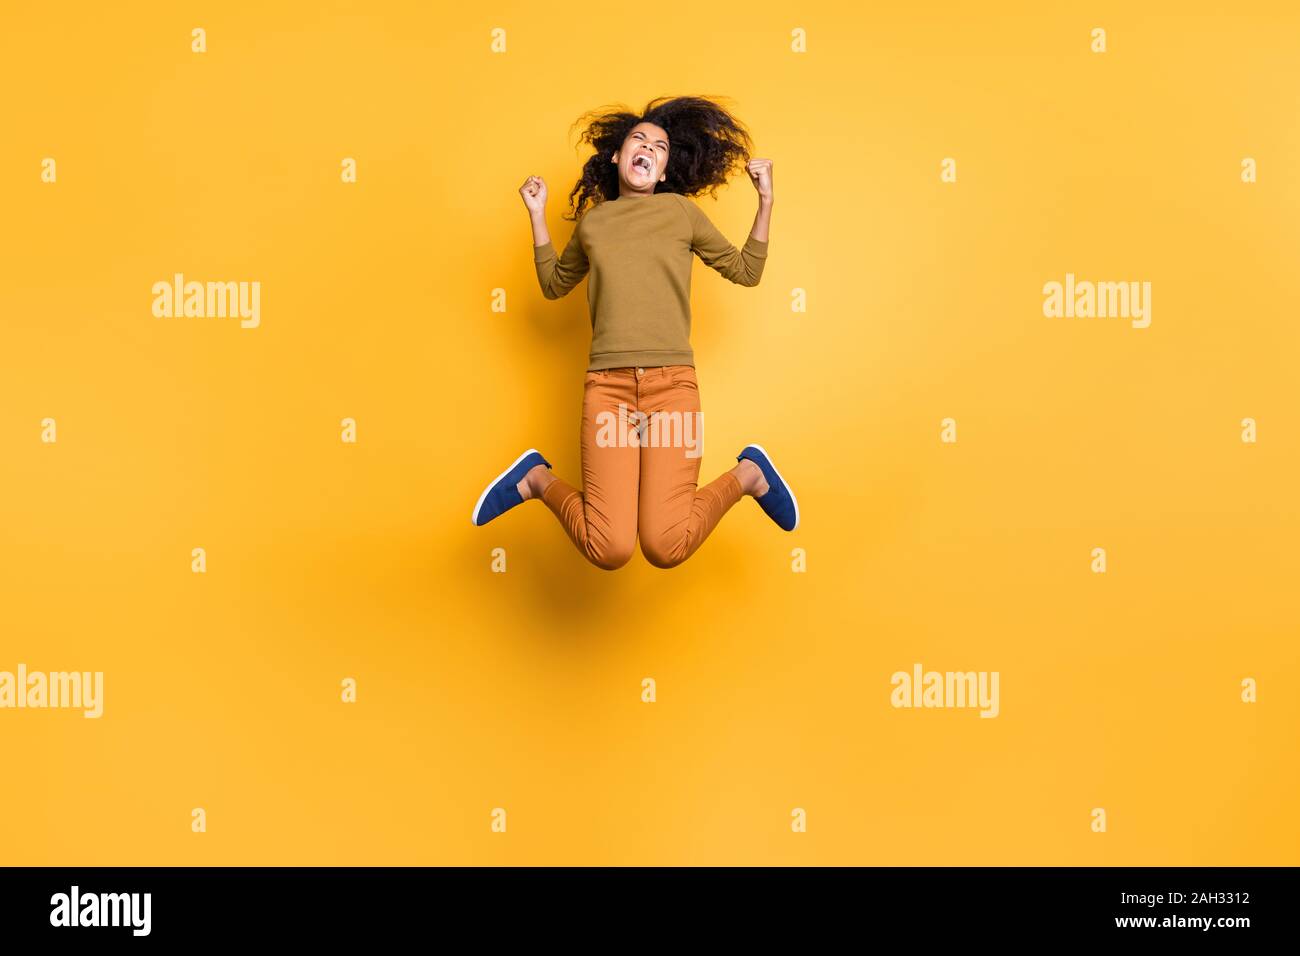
790 491
478 506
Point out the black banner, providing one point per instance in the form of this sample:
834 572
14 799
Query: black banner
1166 906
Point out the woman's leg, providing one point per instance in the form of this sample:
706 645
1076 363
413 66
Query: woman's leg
601 519
674 516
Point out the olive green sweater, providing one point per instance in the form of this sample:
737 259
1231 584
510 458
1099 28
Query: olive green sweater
638 251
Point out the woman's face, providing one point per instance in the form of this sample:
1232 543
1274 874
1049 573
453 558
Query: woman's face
642 159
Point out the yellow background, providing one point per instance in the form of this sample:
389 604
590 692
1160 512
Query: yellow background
522 690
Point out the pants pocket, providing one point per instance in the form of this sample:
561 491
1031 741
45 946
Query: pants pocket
683 376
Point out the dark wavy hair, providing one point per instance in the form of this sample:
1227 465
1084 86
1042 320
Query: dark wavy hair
706 144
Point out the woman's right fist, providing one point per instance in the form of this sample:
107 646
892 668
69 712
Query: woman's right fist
534 192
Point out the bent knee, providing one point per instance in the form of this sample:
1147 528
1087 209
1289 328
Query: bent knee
611 557
661 553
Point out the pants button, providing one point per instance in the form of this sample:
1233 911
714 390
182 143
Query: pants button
640 372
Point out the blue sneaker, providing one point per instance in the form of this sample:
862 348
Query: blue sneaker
778 501
503 493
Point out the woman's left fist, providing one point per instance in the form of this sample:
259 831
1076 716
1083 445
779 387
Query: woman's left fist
760 174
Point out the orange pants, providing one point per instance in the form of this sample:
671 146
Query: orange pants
642 437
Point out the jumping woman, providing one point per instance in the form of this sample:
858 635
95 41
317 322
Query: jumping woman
641 401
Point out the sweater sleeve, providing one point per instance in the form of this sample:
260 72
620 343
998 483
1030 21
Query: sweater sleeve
555 275
744 266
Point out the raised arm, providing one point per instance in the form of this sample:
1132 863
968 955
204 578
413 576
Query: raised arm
556 275
744 266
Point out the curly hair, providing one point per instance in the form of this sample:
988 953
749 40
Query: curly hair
706 144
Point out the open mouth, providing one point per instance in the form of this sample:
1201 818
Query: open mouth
643 163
